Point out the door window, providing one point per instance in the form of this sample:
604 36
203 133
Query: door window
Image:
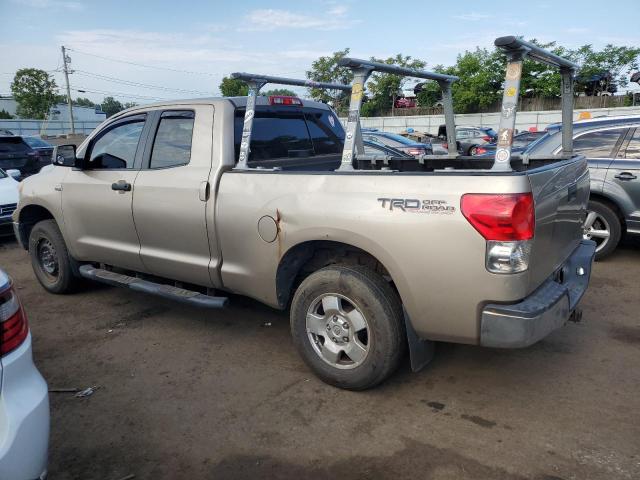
598 144
326 132
633 149
116 148
172 143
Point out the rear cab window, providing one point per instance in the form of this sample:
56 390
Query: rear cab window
172 140
286 136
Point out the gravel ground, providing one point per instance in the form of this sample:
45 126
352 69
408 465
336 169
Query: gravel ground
187 393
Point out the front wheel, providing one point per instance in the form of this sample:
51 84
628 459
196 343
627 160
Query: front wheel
347 324
50 259
603 226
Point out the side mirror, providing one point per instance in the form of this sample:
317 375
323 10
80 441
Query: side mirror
14 173
64 155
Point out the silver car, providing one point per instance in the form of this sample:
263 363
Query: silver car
24 398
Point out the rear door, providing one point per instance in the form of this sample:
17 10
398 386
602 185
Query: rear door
172 194
623 178
97 200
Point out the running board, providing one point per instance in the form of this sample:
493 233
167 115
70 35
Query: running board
167 291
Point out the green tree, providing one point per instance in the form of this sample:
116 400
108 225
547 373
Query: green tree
4 115
83 102
383 87
232 87
326 69
35 92
279 91
619 62
111 106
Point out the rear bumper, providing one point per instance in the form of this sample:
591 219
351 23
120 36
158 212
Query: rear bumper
548 308
24 417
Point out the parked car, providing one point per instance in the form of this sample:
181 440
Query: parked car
42 148
397 141
520 142
403 102
372 148
8 199
24 398
438 145
469 138
5 132
242 195
612 148
15 153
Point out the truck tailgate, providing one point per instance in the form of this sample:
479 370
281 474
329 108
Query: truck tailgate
561 193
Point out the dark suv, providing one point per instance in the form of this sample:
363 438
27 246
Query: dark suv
612 148
27 154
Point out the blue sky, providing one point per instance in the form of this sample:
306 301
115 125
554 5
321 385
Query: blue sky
210 39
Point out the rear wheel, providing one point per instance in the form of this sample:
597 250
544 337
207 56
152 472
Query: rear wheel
473 150
347 324
603 226
50 259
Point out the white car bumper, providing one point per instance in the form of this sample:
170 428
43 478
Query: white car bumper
24 417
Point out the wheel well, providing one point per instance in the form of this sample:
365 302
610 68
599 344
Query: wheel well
305 258
29 216
614 206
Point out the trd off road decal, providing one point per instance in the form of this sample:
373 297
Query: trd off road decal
413 205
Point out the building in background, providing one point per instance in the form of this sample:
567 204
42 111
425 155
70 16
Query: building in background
60 112
8 104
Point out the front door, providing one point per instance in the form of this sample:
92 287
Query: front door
173 207
624 176
97 199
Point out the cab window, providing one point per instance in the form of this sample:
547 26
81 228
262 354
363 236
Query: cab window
172 142
116 148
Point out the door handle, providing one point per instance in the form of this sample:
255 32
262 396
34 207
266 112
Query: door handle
121 185
203 191
626 176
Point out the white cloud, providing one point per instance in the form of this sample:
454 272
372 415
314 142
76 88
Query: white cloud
67 5
271 19
473 16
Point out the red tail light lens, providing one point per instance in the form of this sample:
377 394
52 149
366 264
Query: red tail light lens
416 151
480 151
503 217
284 100
13 322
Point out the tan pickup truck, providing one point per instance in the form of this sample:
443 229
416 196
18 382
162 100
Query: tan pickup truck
271 198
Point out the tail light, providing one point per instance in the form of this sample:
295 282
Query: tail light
507 222
416 151
487 138
284 100
13 322
480 151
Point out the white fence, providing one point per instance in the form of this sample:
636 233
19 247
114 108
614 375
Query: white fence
524 120
43 127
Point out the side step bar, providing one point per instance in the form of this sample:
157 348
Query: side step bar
167 291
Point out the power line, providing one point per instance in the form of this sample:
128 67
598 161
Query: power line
136 84
117 94
143 65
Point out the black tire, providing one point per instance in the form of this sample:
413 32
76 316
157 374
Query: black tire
46 245
473 150
379 305
609 215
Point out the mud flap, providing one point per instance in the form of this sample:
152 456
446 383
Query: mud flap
420 351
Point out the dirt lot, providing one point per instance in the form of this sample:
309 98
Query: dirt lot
188 393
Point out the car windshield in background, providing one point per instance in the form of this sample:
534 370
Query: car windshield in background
491 132
397 138
35 142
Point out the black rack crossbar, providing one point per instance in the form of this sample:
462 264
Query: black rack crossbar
517 50
513 43
362 69
355 63
255 83
264 79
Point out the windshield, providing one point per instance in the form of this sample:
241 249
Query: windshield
398 138
35 142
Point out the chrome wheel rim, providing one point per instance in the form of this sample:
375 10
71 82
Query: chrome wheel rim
48 258
597 228
338 331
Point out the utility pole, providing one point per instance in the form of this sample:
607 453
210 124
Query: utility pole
66 60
